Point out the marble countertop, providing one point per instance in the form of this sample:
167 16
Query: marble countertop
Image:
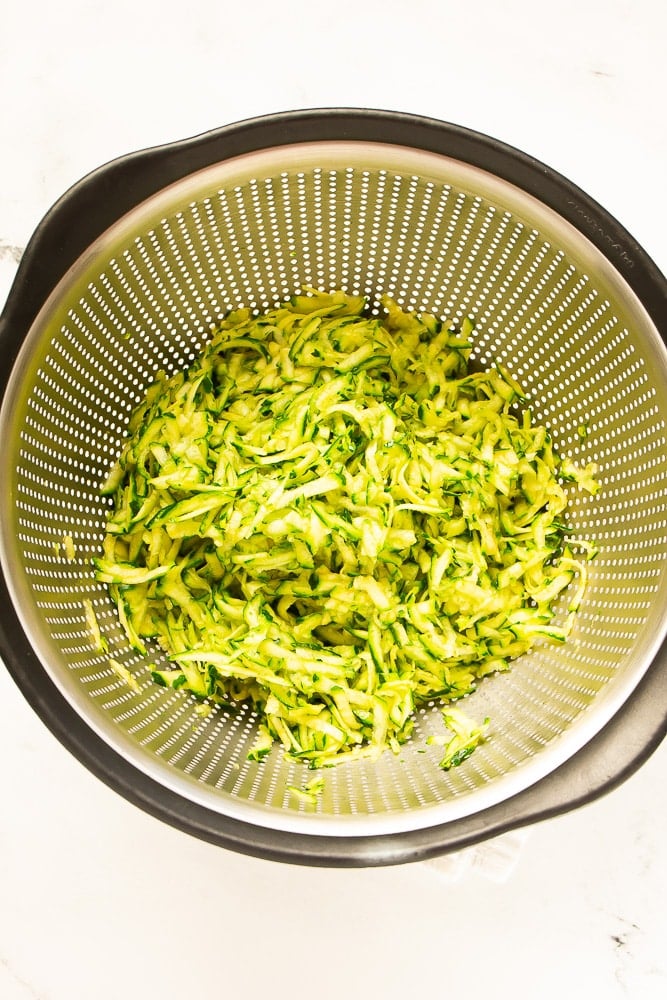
98 899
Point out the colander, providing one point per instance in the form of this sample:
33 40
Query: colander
127 274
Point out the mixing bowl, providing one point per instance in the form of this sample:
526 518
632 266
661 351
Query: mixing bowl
126 276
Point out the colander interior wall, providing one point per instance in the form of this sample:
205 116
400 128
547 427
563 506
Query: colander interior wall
439 236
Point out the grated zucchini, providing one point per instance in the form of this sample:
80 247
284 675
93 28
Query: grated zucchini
125 675
98 641
331 516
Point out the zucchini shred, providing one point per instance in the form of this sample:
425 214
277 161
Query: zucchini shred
330 516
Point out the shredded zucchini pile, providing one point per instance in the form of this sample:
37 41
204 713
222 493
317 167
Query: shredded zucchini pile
330 515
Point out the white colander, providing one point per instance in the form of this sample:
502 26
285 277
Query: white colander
127 275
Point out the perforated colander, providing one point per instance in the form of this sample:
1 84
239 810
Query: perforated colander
127 275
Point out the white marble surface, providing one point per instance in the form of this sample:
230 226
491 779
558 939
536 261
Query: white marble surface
98 900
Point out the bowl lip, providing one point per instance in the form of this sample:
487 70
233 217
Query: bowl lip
80 215
126 182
